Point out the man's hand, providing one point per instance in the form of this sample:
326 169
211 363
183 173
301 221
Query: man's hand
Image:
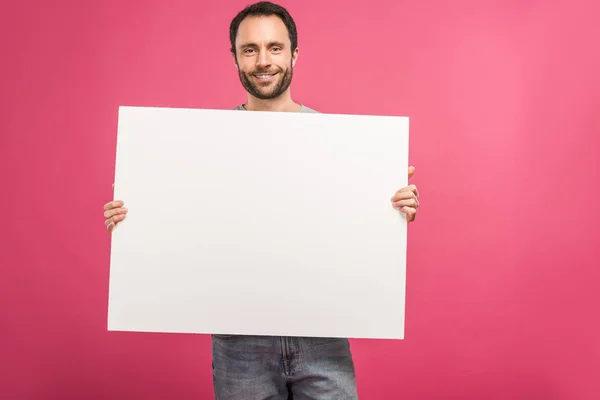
407 199
114 212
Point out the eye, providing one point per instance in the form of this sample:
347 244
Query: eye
248 51
276 48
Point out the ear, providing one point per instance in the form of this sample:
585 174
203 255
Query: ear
295 57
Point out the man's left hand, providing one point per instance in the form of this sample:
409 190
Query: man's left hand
406 199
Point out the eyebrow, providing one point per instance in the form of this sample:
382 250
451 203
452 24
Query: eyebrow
271 44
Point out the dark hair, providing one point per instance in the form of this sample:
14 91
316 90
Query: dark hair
264 9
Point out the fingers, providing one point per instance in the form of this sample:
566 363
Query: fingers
411 203
407 200
406 193
113 221
115 211
411 213
113 204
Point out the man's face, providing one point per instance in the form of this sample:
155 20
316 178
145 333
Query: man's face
264 56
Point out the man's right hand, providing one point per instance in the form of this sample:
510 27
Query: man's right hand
114 212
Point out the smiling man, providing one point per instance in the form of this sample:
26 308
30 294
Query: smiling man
264 46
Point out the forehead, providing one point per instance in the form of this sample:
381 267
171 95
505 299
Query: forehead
262 30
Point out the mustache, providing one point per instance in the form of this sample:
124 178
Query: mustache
265 71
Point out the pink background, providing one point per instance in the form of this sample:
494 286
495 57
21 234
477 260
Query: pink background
504 102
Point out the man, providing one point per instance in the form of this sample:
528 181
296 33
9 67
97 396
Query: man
264 49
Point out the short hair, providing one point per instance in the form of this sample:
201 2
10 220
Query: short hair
264 9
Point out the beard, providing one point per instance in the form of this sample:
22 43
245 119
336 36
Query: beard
270 91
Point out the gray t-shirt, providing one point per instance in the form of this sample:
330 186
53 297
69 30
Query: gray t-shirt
303 109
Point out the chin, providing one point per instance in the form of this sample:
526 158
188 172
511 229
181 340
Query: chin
269 96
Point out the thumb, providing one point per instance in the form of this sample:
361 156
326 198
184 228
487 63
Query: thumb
411 171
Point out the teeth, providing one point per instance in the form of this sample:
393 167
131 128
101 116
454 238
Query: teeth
263 76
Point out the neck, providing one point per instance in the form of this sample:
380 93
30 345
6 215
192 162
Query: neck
283 103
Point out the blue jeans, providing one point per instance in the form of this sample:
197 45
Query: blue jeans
282 368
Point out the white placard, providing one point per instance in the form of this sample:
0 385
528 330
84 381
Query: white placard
259 223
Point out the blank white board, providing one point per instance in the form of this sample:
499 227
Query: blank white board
259 223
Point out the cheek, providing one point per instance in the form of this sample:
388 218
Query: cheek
283 64
245 65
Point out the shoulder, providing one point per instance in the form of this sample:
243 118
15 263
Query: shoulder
308 109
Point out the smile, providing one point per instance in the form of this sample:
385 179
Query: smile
264 77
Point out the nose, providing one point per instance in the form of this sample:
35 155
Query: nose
263 59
